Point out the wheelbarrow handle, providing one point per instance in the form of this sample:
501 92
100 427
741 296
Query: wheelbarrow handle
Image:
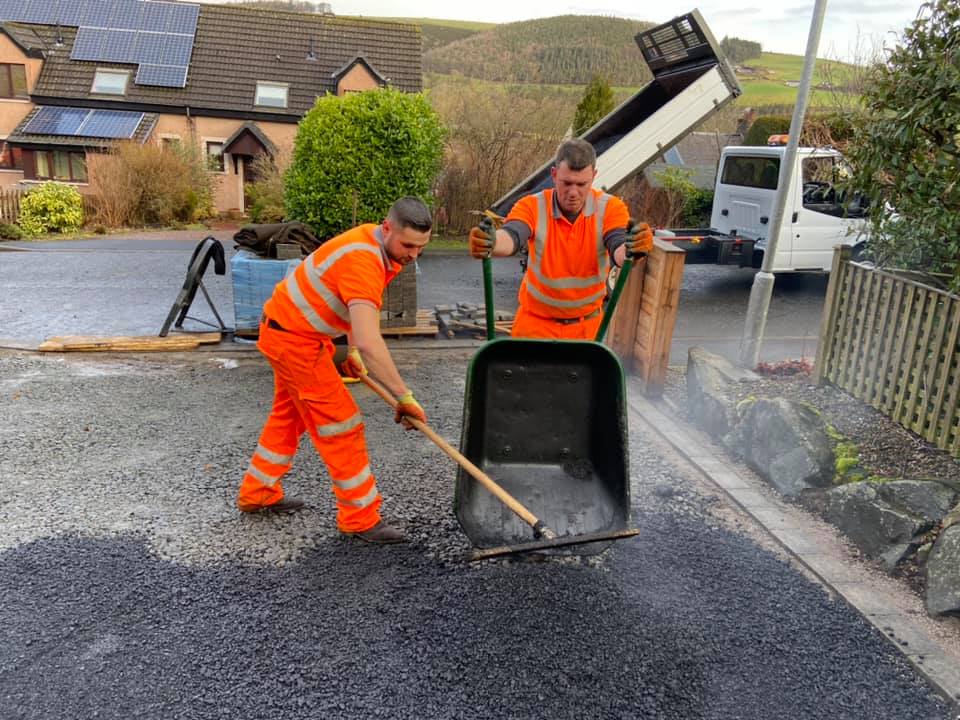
539 529
488 297
622 278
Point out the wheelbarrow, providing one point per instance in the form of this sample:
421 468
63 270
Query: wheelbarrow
546 420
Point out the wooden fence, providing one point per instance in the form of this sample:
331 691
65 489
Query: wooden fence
641 330
10 204
892 342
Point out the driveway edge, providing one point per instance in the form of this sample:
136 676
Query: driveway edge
920 649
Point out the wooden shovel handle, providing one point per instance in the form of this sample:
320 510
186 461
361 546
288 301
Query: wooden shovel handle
484 479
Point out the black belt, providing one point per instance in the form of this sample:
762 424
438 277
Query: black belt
271 323
571 321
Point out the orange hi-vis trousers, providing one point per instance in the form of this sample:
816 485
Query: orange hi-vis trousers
309 395
528 325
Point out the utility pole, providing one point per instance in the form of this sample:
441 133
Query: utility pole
762 289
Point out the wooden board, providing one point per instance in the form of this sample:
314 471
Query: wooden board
127 343
426 325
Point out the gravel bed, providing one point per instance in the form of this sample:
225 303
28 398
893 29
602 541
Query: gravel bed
129 585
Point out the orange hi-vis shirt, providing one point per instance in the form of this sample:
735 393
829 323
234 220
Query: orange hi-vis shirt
314 300
568 262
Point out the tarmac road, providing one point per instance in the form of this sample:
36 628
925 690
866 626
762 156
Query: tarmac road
126 286
130 587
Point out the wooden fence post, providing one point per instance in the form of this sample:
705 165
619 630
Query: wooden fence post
841 255
662 307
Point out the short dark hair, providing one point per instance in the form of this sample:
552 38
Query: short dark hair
576 153
412 212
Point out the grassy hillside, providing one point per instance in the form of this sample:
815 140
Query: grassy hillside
437 33
568 49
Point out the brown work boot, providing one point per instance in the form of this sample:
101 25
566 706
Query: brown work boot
380 534
285 505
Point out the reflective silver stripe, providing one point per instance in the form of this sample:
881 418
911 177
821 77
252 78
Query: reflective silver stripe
260 475
306 309
540 236
356 481
378 234
564 283
572 282
603 262
271 456
547 300
364 501
339 427
315 276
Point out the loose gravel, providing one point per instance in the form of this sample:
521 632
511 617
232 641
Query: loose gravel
129 585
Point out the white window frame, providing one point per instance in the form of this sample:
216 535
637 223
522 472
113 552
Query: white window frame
223 143
258 99
110 71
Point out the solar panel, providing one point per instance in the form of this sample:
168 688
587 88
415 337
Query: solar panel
81 122
162 75
89 44
98 13
126 16
176 50
110 124
56 121
151 32
156 16
183 19
118 45
148 47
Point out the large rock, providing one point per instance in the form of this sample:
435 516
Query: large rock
943 574
881 529
786 442
709 380
928 500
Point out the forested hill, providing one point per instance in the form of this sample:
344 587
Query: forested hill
569 49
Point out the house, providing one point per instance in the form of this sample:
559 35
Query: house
77 77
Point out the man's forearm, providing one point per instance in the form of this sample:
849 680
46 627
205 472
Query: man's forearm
379 361
504 245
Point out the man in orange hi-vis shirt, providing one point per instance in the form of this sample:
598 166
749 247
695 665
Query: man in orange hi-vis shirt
572 232
337 289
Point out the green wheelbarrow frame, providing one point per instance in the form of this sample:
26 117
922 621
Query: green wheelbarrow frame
547 420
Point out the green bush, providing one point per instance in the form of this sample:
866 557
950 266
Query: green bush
51 207
690 206
906 149
765 126
10 232
357 154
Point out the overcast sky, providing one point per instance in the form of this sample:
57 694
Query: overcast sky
778 26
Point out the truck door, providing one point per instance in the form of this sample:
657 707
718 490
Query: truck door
743 200
820 218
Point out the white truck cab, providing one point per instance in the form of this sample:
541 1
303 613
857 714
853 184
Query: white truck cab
816 216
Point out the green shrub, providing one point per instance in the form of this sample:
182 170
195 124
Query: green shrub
51 207
265 194
354 155
690 206
765 126
10 232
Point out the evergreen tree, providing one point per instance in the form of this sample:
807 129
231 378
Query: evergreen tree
597 101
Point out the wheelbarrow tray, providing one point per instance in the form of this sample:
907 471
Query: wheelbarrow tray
547 420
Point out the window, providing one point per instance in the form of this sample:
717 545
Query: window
215 157
60 165
11 158
110 82
755 172
271 95
13 81
821 175
171 142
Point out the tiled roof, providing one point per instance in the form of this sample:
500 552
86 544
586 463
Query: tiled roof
19 137
236 46
33 43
